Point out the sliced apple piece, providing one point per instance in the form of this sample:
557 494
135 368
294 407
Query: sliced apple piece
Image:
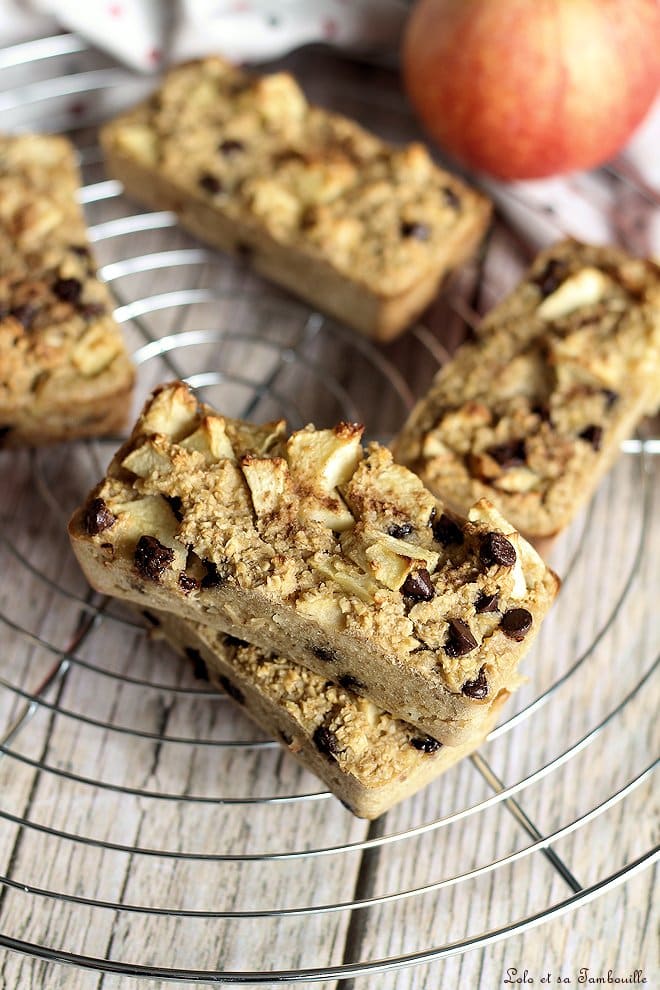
147 460
173 411
320 461
210 439
95 350
585 288
349 578
150 516
269 482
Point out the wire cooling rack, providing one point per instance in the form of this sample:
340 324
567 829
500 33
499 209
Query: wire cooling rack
145 827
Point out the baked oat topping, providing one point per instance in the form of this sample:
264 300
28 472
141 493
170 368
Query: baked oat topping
305 521
531 413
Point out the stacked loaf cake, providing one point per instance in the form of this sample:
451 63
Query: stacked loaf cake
371 629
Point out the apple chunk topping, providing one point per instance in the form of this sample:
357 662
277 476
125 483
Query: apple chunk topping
172 411
269 482
388 559
345 574
586 287
320 461
210 439
392 561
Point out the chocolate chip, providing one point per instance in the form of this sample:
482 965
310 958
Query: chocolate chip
459 639
325 741
516 623
478 688
543 412
610 397
235 641
400 530
90 310
288 155
486 603
324 654
419 231
451 198
447 532
418 586
425 744
174 503
350 683
187 583
212 578
98 517
496 549
210 183
152 558
25 314
551 277
309 218
232 690
200 670
151 618
230 147
593 435
244 251
68 289
509 454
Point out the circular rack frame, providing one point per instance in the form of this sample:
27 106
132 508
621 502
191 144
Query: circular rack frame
290 372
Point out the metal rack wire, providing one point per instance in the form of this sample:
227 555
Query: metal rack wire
255 352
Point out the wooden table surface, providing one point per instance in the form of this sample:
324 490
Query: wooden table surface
129 829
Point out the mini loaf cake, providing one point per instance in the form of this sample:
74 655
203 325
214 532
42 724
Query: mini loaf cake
533 413
363 230
64 371
311 547
367 758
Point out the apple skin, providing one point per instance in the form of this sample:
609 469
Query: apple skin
522 89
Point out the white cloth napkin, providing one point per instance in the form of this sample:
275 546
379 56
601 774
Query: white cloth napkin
146 33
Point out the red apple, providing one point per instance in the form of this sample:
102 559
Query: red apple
528 88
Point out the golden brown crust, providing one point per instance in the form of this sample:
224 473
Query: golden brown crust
533 413
361 229
64 371
310 546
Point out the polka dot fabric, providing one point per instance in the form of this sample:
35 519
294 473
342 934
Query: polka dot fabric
145 34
